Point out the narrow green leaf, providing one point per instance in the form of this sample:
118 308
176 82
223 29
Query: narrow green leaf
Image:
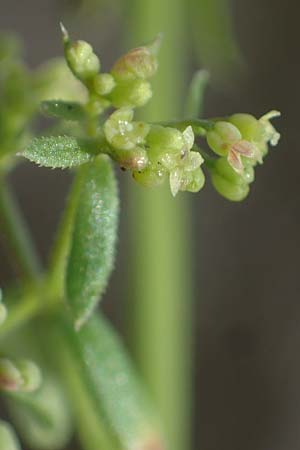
42 418
59 151
215 37
8 439
115 401
194 103
63 110
93 242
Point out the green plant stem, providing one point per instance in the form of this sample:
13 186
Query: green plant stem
16 235
61 245
160 315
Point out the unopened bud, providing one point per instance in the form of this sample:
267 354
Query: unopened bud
249 127
81 59
164 140
19 376
133 94
228 182
103 83
140 62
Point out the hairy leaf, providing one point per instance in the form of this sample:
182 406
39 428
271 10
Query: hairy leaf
59 151
93 241
114 399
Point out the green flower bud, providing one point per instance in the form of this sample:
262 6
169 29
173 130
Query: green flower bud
249 127
122 133
228 182
136 159
8 439
19 376
231 191
150 177
194 182
133 93
140 62
164 140
81 59
103 83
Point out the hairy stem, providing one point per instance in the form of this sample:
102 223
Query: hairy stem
16 235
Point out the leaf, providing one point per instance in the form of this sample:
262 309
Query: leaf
93 241
59 151
114 399
194 103
42 418
63 110
215 39
8 439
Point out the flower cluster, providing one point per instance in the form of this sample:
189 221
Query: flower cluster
242 142
154 152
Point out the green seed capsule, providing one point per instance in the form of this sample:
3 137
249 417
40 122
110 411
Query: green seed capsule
93 241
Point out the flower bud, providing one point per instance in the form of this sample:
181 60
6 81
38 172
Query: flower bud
228 182
133 93
249 127
140 62
103 83
19 376
81 59
122 133
194 181
164 140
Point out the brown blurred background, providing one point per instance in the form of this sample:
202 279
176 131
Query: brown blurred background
247 309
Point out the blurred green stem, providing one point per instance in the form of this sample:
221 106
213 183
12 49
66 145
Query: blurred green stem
16 234
160 314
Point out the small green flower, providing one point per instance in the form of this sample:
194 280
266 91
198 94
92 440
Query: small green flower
122 133
103 83
225 139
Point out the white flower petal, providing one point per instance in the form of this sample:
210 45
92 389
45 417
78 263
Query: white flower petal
235 161
188 137
175 180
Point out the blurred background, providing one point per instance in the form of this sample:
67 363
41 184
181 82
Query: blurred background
246 256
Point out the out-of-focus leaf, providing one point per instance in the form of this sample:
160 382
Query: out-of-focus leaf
63 110
42 418
214 36
8 439
59 152
194 103
93 241
114 399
